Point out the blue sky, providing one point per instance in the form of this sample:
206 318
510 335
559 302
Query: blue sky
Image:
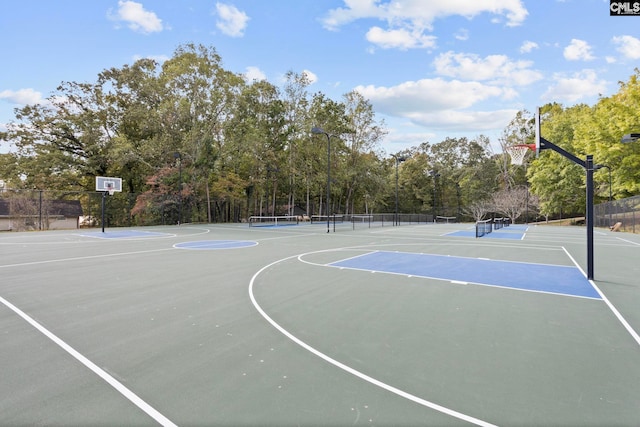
431 68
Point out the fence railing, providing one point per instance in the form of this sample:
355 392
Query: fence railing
625 211
26 210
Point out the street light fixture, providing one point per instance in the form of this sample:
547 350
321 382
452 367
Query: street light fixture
318 130
630 137
398 160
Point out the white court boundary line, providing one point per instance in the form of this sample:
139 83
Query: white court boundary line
615 311
79 258
628 241
349 369
131 396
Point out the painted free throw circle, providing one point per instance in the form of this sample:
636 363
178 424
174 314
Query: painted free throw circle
215 244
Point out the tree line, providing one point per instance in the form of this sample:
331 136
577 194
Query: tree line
189 136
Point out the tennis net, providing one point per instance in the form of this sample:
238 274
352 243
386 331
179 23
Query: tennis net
273 221
483 227
445 219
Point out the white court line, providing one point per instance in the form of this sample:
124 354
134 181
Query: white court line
131 396
628 241
349 369
615 311
51 261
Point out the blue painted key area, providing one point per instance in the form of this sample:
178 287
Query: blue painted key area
516 275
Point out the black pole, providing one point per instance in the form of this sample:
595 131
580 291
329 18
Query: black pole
318 130
40 213
328 182
610 200
588 166
397 222
589 215
104 195
178 156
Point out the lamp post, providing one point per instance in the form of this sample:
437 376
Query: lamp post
597 167
435 175
318 130
398 160
178 158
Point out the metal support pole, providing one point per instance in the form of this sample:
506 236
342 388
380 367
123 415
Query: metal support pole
318 130
40 212
589 215
104 196
396 216
328 182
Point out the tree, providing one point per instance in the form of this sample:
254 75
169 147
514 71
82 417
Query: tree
479 209
513 202
361 144
599 130
520 130
558 182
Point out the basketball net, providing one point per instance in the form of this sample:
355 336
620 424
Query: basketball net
518 153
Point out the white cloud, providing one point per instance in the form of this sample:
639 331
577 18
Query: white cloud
312 77
528 46
254 74
628 46
399 38
232 21
464 121
583 84
578 50
429 95
421 14
407 20
22 96
462 34
493 68
137 18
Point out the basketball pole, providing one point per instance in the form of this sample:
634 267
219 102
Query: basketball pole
588 166
104 196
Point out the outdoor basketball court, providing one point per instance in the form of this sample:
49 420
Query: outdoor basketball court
231 325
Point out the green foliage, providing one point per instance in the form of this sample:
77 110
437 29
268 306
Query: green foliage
191 138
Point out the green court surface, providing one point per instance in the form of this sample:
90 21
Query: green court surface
231 325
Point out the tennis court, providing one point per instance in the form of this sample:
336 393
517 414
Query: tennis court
231 325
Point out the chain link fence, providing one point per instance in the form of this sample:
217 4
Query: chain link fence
624 211
26 210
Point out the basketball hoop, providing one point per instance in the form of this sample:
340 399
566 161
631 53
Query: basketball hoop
518 152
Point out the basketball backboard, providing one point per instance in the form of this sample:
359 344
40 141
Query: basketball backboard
107 183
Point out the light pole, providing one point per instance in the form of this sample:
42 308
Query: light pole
610 196
398 160
435 175
178 158
318 130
